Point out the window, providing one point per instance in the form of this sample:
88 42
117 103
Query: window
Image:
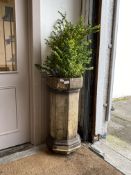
7 36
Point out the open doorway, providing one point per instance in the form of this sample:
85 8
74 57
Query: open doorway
114 127
119 127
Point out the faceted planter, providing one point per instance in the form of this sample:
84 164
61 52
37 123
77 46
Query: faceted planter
64 102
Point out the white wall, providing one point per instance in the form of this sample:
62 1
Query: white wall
122 79
49 15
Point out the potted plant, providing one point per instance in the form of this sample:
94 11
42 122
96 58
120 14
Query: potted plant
70 57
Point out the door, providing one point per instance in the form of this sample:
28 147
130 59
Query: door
14 75
107 54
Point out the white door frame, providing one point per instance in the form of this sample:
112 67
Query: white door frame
107 54
35 76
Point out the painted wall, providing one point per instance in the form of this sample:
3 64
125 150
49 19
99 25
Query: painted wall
49 15
122 79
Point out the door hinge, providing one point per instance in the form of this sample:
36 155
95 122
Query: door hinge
105 105
97 137
110 46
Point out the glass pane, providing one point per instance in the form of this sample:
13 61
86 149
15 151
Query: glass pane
7 36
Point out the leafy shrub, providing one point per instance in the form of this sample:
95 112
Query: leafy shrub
71 51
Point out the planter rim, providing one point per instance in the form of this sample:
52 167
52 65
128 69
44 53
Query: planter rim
64 84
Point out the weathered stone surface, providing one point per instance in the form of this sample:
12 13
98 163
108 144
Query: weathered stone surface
64 146
73 115
61 84
64 115
61 114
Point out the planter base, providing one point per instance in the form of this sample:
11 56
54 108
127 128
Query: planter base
64 146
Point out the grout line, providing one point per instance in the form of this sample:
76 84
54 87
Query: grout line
115 150
104 156
120 117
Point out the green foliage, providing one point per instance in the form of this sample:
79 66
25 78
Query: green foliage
70 49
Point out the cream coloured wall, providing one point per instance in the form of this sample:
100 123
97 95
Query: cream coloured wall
122 79
49 15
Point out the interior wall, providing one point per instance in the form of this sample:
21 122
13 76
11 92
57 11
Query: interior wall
122 82
49 15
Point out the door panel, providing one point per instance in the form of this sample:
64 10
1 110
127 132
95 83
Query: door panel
14 80
108 36
11 113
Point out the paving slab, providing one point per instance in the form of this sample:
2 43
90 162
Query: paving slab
116 148
119 128
113 157
122 108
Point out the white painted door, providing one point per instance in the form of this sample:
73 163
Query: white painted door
14 75
107 53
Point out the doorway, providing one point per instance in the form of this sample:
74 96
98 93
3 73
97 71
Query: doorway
119 127
112 127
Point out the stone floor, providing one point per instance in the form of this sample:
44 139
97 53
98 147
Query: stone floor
119 128
120 124
116 149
